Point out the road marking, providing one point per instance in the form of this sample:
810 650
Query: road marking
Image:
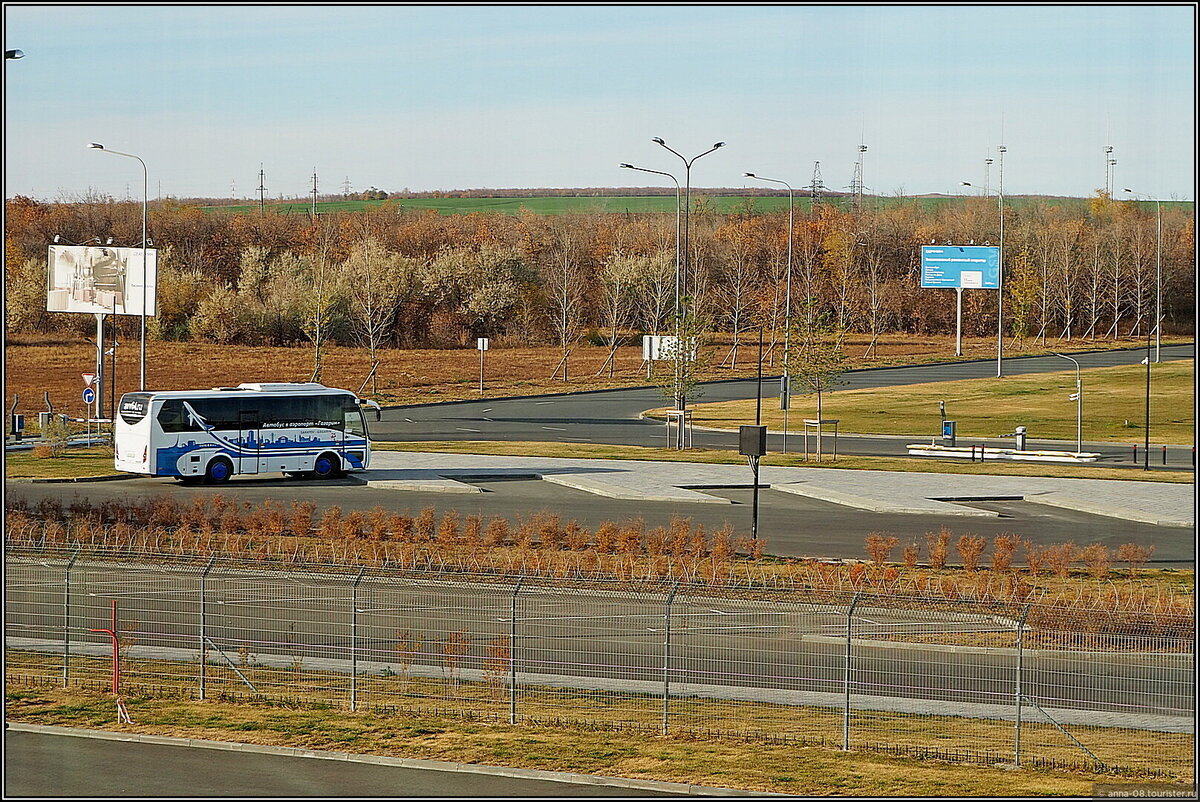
555 428
489 420
410 420
539 403
462 429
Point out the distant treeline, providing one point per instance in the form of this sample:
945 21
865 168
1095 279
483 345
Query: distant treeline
399 277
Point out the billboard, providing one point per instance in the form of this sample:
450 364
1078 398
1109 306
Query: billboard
95 278
966 266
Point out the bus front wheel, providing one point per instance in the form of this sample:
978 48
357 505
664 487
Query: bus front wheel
326 467
219 471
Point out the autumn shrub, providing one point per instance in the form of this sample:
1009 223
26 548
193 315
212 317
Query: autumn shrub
378 524
657 540
630 536
425 525
497 532
699 545
43 451
1060 558
472 533
970 548
577 537
300 518
330 525
496 661
1035 557
1003 549
353 526
1097 559
680 535
912 553
401 526
550 531
879 546
938 547
1134 556
456 645
448 532
606 537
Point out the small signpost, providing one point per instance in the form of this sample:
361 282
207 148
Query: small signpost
481 344
752 444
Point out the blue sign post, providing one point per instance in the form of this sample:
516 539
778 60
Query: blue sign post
960 267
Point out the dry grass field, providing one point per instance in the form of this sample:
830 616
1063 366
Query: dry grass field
34 365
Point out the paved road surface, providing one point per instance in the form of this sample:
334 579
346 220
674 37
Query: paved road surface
611 416
38 764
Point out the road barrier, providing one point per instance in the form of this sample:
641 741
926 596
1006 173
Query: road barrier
926 676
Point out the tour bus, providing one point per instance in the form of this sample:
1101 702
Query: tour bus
301 429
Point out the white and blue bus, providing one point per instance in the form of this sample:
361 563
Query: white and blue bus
210 435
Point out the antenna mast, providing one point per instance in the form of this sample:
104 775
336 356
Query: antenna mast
262 190
314 194
856 183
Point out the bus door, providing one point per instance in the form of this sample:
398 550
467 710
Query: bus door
248 434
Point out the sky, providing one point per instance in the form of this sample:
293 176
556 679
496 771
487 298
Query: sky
462 97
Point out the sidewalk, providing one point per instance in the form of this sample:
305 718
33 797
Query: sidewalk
1157 503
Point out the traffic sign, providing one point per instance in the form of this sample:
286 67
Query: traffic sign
89 395
88 378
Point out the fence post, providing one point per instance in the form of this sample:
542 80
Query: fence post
846 709
667 657
204 626
1020 690
67 618
512 654
354 641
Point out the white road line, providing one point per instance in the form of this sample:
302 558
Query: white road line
538 403
410 420
461 429
489 409
489 420
555 428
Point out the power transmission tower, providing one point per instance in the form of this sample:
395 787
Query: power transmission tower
346 187
314 194
233 189
856 183
817 187
1109 163
262 190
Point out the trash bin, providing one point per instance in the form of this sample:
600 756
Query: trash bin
1020 438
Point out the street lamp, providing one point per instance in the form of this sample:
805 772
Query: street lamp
145 288
681 401
677 214
1001 149
14 54
787 307
1078 405
1157 274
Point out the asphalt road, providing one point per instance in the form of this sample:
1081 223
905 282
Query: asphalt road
611 416
792 525
73 767
783 651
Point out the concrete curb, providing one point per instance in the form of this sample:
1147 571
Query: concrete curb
1063 501
381 760
75 479
861 502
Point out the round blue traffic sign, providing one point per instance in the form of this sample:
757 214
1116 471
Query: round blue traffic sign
89 395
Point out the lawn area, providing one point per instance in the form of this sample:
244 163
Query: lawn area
718 762
73 464
1113 406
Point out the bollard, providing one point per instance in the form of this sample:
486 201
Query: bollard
1164 455
1135 453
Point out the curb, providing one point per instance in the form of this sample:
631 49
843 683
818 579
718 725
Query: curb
75 479
398 762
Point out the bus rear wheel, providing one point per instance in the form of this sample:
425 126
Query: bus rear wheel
218 472
326 467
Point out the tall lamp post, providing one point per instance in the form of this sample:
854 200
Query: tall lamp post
145 289
1157 274
680 401
1001 149
1078 405
787 309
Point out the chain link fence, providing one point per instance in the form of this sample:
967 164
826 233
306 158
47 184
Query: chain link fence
965 680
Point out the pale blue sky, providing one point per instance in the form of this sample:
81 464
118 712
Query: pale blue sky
540 96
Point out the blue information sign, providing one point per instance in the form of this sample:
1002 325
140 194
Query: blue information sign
967 266
89 395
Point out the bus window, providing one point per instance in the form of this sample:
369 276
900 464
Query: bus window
354 422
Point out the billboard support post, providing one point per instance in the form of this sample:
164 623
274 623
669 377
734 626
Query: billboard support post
958 335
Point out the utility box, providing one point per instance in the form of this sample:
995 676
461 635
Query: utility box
16 425
752 441
1020 433
44 419
949 432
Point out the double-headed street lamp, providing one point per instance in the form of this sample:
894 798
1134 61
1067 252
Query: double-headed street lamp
1078 398
145 288
687 194
787 306
1001 149
1157 273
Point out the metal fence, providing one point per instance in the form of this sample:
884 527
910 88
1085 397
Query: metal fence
966 680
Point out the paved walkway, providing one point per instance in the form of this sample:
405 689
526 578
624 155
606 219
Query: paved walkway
1157 503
